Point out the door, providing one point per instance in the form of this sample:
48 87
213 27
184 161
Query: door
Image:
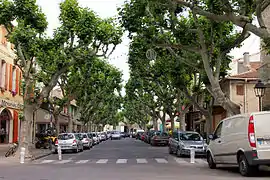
174 141
216 143
262 134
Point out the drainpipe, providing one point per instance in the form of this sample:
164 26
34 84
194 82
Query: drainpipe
245 96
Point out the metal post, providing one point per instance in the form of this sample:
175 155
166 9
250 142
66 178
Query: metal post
192 155
22 153
260 103
59 153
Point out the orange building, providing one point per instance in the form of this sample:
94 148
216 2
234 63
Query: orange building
11 100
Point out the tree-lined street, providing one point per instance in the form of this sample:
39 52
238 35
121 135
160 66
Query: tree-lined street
119 159
185 90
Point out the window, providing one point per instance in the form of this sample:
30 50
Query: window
240 90
190 137
14 79
217 133
65 136
3 74
175 135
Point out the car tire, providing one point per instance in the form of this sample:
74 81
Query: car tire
210 161
170 150
245 169
76 150
178 152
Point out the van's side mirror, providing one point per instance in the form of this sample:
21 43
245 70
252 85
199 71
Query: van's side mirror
211 136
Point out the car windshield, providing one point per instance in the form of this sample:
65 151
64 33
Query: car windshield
65 136
190 137
161 133
115 132
84 136
89 135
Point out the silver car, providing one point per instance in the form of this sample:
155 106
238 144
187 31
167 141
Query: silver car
69 141
86 140
182 142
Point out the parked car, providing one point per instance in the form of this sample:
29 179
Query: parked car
95 138
243 140
116 135
159 138
69 141
87 142
103 136
182 142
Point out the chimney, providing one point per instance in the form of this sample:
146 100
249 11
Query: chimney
246 59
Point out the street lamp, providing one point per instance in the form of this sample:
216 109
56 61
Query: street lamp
259 90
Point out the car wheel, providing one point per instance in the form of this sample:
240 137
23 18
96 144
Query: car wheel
170 150
210 160
76 150
244 168
178 152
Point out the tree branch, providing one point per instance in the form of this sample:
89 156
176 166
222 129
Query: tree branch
259 13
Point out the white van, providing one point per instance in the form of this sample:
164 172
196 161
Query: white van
242 140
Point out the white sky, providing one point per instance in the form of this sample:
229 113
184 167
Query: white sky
108 8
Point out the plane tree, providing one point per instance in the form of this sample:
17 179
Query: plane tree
196 42
81 34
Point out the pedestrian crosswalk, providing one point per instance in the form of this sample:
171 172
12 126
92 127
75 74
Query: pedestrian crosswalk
180 161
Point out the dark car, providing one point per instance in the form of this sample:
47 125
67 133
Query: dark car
159 138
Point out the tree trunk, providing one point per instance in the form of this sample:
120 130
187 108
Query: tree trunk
57 123
182 118
225 102
163 120
172 121
155 125
25 130
70 120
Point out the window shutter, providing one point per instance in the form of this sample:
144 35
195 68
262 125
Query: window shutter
10 76
20 84
6 76
17 80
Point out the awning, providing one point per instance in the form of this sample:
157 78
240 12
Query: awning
44 116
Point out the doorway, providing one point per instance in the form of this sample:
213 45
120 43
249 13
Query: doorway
5 118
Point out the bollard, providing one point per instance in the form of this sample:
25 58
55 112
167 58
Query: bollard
22 153
59 153
192 155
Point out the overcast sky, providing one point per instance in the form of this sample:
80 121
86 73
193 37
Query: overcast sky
108 8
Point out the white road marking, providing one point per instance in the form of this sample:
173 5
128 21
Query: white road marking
121 161
102 161
62 162
181 161
161 160
201 161
82 162
141 161
46 161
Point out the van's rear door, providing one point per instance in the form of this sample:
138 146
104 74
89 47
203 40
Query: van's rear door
262 133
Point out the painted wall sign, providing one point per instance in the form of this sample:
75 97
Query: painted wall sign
10 104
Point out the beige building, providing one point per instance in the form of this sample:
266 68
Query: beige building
240 88
11 100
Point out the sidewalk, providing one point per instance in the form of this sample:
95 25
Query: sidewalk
37 153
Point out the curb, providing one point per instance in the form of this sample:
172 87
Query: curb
41 156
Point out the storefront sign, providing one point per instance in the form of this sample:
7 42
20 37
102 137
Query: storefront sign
10 104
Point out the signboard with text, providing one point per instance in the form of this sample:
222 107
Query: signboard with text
10 104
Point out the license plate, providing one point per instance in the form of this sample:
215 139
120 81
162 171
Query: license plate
262 143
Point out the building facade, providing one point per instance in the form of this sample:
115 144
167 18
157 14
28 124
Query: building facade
11 100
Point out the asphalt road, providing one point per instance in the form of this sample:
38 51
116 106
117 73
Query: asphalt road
119 160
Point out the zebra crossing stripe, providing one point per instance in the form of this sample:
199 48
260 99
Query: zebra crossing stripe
63 162
102 161
141 161
161 160
201 161
121 161
82 162
46 161
180 161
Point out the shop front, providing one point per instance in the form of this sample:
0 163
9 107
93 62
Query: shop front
9 120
